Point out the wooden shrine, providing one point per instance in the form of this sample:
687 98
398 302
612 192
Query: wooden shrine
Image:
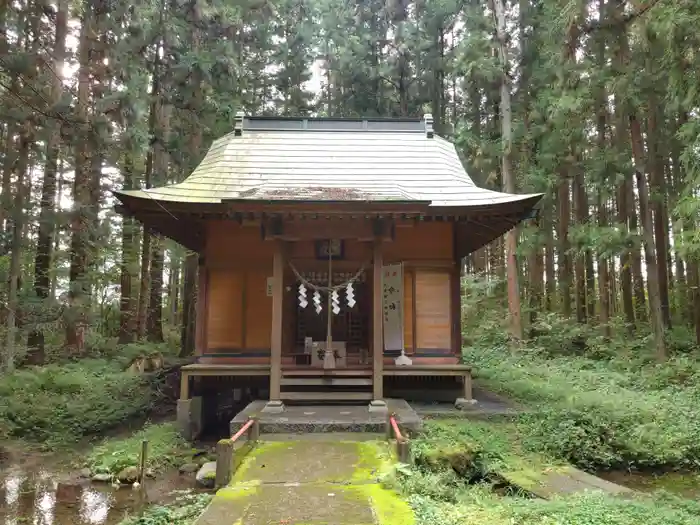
330 253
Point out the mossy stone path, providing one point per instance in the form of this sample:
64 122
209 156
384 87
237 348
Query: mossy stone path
310 483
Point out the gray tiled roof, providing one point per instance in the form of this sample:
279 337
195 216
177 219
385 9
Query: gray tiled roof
331 160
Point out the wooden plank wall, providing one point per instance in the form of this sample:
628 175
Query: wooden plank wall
239 262
433 316
239 324
427 251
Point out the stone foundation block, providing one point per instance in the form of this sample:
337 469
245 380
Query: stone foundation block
189 417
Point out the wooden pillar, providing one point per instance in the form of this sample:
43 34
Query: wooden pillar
456 294
202 309
184 385
456 308
467 386
277 308
377 324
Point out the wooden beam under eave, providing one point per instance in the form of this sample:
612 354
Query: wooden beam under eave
377 324
277 312
319 229
182 229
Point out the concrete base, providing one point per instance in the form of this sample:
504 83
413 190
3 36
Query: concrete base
189 417
273 407
462 403
326 418
378 406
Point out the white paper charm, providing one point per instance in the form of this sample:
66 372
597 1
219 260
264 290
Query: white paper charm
303 302
335 302
317 302
350 295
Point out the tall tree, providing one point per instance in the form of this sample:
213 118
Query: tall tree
47 214
507 175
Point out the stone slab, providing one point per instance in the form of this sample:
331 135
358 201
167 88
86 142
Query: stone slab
189 417
329 482
569 480
290 504
378 406
273 407
298 462
486 405
298 419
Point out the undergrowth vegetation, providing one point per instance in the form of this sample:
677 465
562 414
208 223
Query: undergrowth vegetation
459 473
478 504
166 448
183 511
598 402
66 400
594 413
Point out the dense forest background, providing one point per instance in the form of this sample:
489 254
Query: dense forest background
594 103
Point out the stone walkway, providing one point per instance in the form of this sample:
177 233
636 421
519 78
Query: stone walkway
311 482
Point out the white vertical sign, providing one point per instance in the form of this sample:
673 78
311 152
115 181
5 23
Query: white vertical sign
392 291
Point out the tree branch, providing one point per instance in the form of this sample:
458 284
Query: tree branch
617 22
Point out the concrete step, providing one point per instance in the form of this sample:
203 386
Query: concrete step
326 396
326 381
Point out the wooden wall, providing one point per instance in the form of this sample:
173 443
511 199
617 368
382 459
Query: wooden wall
239 316
239 261
427 251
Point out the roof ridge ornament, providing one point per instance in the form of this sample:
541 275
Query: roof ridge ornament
428 120
238 126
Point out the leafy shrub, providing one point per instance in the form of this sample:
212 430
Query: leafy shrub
183 511
439 497
63 402
458 503
601 414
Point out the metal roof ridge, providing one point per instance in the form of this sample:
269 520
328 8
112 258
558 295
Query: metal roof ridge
332 130
244 124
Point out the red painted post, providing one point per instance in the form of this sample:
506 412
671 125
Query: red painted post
254 430
242 430
395 426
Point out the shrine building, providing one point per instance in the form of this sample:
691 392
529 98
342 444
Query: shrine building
329 258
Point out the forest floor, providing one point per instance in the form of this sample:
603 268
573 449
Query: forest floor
603 405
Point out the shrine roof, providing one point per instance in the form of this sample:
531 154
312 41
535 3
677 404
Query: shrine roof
328 160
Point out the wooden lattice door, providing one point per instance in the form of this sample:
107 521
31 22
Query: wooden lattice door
349 325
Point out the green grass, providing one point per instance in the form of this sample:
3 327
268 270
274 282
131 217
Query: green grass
183 511
598 403
166 448
476 450
63 402
441 494
479 505
597 414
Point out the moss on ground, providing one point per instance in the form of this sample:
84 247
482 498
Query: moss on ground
438 495
298 484
478 449
166 449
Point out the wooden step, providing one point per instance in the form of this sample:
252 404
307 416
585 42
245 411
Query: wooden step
326 396
326 381
320 372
